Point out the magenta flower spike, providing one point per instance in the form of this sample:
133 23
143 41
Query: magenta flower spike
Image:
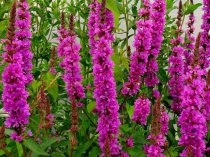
14 80
23 35
192 120
158 23
204 58
68 51
142 44
176 65
100 26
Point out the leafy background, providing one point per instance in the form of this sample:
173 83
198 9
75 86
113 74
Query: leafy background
45 23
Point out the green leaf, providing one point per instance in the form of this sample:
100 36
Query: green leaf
172 152
36 148
191 8
51 85
91 106
48 142
94 152
19 148
112 5
130 110
169 4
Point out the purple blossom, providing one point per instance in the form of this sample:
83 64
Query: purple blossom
142 44
68 51
191 120
159 129
141 110
153 151
204 58
14 96
23 35
100 39
129 142
158 22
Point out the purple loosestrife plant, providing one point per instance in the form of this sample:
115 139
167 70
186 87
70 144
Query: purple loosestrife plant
23 35
14 94
191 120
142 44
100 26
176 66
158 22
204 58
68 51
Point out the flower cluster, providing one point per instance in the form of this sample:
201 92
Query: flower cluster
191 120
158 22
141 110
206 98
100 26
14 94
176 65
142 44
189 43
204 58
68 51
23 35
159 128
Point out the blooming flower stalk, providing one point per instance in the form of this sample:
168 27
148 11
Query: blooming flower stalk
141 110
142 44
204 58
158 22
100 26
14 94
191 120
68 51
206 110
176 66
159 128
23 35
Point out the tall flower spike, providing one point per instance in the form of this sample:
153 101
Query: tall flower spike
204 58
100 39
158 22
206 110
192 121
189 42
159 128
176 65
14 94
68 51
139 58
23 35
